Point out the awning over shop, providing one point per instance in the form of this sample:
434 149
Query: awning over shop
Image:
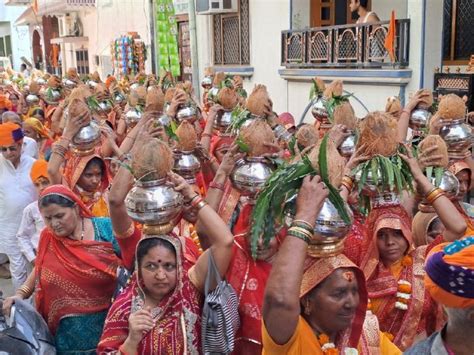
28 17
50 7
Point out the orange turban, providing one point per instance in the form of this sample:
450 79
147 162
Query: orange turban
37 126
5 103
10 133
450 273
39 169
109 81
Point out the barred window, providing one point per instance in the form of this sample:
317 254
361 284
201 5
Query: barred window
231 37
458 32
82 61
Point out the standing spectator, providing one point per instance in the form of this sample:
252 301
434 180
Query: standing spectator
31 222
25 71
16 192
30 147
365 16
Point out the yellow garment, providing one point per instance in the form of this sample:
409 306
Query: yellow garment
98 208
395 270
304 341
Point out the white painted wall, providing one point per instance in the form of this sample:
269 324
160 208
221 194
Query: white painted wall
301 14
21 42
383 8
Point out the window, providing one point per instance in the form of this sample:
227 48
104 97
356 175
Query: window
231 37
331 13
82 61
458 32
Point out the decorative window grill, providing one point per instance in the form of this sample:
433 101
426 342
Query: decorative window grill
82 61
231 37
458 31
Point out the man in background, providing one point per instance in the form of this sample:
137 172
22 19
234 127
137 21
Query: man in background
365 16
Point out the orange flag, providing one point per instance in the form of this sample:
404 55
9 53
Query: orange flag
390 39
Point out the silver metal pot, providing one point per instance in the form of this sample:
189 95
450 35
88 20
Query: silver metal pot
250 175
88 137
132 116
212 95
134 86
162 120
420 118
105 107
318 109
154 203
223 120
449 184
187 165
187 113
457 135
54 97
206 82
92 84
41 81
348 146
329 228
371 188
281 133
32 99
69 83
119 98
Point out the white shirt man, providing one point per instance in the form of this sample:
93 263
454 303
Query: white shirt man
16 192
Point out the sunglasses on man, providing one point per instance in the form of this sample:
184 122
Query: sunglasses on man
12 148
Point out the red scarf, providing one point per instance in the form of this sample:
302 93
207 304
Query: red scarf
73 277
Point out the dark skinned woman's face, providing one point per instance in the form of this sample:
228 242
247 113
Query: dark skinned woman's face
333 304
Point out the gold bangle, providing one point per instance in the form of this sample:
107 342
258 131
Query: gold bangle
25 290
201 204
302 231
347 182
310 226
434 195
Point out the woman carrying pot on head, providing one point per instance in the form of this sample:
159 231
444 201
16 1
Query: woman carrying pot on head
393 267
463 171
160 311
33 128
75 272
425 228
317 306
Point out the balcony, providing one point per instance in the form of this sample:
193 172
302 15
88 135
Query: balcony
359 46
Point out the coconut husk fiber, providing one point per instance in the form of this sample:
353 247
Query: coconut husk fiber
333 89
219 77
78 108
80 93
257 100
54 82
426 97
307 135
237 81
169 94
34 88
433 140
72 73
320 83
155 100
451 107
95 77
152 160
186 86
255 136
228 98
101 92
394 106
378 135
187 137
208 71
336 162
344 114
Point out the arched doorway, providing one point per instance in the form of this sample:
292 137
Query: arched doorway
37 50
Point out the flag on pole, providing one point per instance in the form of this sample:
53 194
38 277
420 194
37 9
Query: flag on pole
390 39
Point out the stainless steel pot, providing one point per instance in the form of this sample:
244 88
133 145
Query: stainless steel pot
187 165
458 137
223 120
206 82
105 107
69 83
154 203
348 146
187 113
329 229
419 118
88 137
250 175
32 99
132 116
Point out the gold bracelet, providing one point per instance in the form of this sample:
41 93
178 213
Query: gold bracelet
348 182
434 195
201 204
25 290
310 226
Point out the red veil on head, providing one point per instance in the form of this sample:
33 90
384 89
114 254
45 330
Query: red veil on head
73 276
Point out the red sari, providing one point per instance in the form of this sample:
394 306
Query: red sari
73 276
382 282
177 318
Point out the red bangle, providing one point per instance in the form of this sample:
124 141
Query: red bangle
196 201
216 185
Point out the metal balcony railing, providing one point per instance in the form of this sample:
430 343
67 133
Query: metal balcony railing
345 46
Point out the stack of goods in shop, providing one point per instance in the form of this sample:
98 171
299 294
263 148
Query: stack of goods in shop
167 37
128 55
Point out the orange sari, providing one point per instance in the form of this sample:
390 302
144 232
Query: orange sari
96 202
382 282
